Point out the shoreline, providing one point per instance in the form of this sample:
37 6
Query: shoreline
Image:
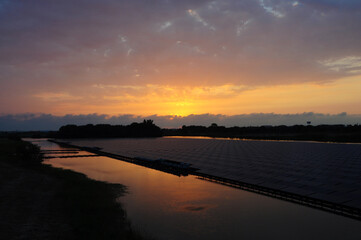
39 201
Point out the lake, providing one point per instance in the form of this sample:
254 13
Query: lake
165 206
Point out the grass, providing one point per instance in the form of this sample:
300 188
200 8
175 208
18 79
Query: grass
90 208
20 153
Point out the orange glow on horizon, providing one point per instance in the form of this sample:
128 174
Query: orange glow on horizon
335 97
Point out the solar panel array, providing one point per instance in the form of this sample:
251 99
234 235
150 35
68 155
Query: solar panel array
325 171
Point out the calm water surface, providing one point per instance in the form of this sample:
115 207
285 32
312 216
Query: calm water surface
165 206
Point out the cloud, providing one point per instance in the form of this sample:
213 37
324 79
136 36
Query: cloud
199 19
55 97
295 3
60 41
55 47
242 27
165 25
349 65
33 122
270 9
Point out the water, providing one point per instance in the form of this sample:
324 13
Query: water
324 171
165 206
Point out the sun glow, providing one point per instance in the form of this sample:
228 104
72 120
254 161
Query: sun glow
334 97
181 108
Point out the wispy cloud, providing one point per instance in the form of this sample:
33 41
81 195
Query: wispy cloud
56 96
165 25
173 92
270 9
295 3
242 26
195 15
350 64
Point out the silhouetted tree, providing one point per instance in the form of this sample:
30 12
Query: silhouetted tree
145 129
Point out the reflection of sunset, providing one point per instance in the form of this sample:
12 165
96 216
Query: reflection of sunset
178 193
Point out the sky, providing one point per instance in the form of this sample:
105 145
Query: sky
171 59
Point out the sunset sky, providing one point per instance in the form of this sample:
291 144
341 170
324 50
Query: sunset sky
171 57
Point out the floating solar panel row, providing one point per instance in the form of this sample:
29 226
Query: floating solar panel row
322 170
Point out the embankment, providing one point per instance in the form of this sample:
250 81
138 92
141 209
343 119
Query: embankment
38 201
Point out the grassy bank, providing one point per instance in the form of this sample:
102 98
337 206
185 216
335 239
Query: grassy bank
41 202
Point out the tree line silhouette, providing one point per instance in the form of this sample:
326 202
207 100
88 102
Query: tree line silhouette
332 133
144 129
325 133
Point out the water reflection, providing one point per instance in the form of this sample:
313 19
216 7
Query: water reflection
170 207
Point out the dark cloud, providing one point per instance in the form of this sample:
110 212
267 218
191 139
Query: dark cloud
27 122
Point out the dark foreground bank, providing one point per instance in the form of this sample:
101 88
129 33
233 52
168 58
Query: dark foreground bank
38 201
